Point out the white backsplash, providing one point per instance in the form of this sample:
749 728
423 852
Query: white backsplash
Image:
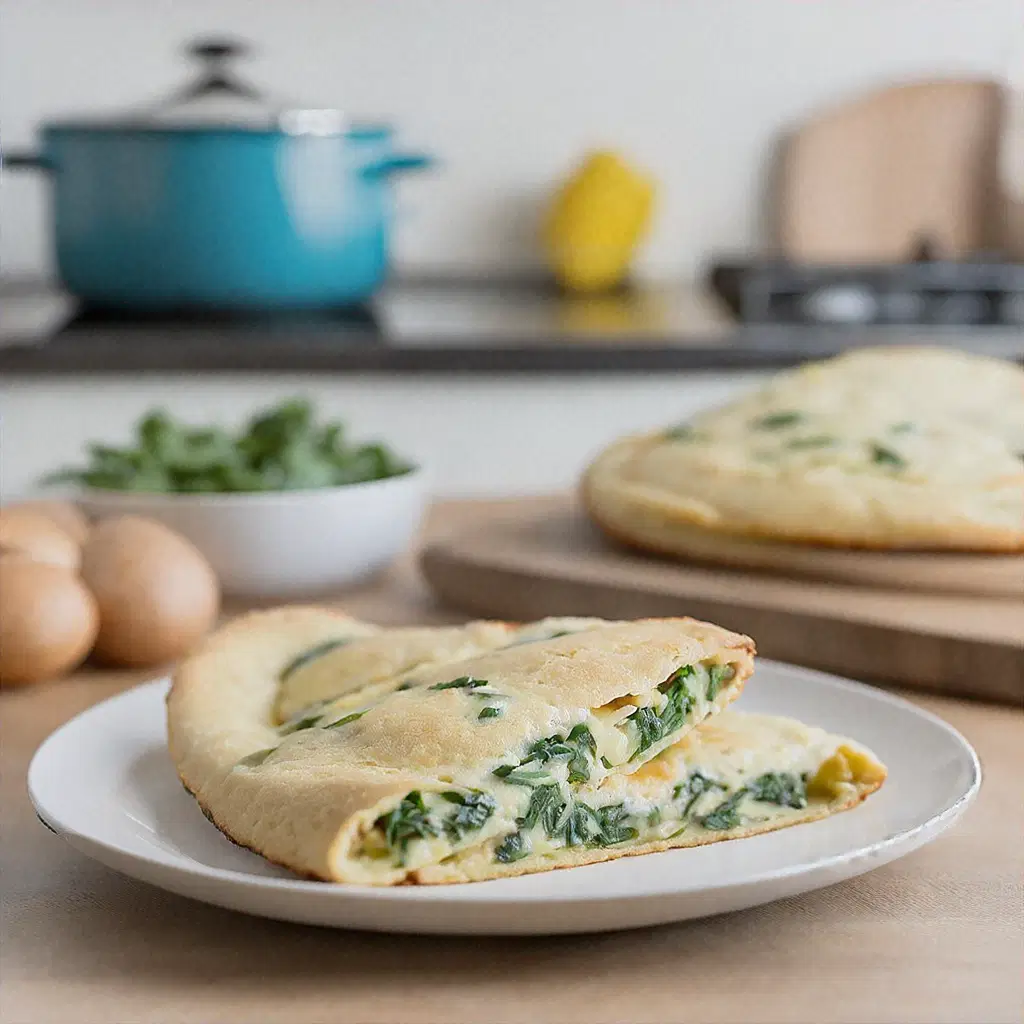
508 93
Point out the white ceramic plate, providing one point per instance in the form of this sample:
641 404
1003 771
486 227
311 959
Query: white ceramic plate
105 783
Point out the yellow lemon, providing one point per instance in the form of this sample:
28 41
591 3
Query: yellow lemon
595 222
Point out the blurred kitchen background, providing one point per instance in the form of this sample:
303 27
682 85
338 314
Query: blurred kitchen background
633 209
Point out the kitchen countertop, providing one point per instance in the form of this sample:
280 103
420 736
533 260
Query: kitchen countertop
443 327
937 936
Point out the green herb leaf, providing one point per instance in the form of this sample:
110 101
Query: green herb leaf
613 825
408 821
693 789
544 809
780 788
548 748
905 427
816 441
653 726
523 776
355 716
475 809
883 456
515 846
462 683
306 657
299 724
257 758
681 432
778 420
490 712
540 639
585 748
726 815
717 675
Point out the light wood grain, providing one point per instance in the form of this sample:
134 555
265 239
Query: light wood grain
534 557
866 181
935 937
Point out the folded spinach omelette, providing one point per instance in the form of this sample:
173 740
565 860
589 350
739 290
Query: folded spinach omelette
386 756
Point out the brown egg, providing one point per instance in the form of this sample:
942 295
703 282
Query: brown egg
156 593
29 533
48 620
68 516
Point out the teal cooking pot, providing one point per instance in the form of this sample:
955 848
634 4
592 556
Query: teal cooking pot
215 201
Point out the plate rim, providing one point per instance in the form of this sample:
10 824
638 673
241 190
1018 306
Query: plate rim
237 881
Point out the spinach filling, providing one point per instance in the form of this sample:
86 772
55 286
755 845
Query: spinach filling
569 822
717 675
693 789
412 820
515 846
578 749
572 822
472 812
726 815
408 821
653 726
781 788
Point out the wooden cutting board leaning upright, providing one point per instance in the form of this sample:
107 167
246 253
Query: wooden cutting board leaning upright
870 180
946 622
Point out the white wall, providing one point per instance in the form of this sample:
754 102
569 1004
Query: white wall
509 93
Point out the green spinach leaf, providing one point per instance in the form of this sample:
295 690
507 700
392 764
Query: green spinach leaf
778 420
255 759
408 821
882 456
303 659
462 683
726 815
515 846
696 785
717 675
473 811
354 717
780 788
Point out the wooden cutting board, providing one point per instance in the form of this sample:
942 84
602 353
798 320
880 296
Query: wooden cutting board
527 558
866 181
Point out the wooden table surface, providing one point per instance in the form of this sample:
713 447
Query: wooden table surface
937 936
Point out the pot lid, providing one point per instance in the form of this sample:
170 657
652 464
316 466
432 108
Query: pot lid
218 100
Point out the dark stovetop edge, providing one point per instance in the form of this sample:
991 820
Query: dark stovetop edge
752 347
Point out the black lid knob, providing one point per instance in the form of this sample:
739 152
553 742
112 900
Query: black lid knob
216 49
215 78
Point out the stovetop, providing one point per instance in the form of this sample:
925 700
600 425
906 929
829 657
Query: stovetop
978 293
458 327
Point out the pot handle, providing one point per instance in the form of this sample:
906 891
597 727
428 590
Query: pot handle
25 162
389 165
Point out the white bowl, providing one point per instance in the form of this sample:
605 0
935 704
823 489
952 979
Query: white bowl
285 544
